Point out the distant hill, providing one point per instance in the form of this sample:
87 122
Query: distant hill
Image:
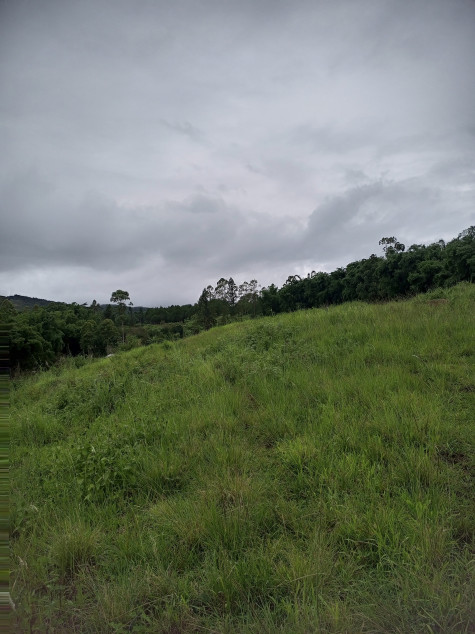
22 301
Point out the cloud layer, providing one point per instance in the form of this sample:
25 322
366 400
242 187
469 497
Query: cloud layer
158 146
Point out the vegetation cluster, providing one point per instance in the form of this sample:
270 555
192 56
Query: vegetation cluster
309 472
40 336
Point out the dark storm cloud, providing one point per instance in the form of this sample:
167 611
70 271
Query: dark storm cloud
165 144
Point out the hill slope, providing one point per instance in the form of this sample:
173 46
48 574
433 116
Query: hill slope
22 302
311 472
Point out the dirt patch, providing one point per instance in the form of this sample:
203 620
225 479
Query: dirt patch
456 458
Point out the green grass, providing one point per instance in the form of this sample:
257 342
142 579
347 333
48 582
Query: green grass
311 472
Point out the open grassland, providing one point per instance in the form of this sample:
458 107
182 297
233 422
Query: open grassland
311 472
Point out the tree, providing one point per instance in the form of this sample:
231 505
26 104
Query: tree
88 336
95 309
107 335
248 298
7 310
220 304
120 298
221 290
108 314
205 316
232 292
292 293
271 300
391 246
462 252
467 234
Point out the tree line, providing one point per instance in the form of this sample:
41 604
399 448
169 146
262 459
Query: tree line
40 336
397 273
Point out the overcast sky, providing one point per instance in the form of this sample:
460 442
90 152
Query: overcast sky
158 145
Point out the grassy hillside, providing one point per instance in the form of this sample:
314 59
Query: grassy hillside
311 472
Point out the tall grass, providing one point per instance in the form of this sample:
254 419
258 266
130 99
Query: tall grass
311 472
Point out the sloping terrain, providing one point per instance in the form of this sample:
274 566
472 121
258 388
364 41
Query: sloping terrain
21 302
311 472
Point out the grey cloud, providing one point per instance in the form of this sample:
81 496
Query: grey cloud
42 227
459 170
331 139
354 175
185 128
189 140
352 223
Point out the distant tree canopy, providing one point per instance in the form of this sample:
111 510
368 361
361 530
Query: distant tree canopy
121 299
38 336
397 273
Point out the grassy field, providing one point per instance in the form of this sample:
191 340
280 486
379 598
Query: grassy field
311 472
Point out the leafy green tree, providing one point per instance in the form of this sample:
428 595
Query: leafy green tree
108 313
28 349
316 289
205 316
95 310
248 298
122 300
363 280
391 246
50 328
88 336
220 304
107 335
232 292
423 278
7 310
336 285
271 300
460 257
221 289
292 294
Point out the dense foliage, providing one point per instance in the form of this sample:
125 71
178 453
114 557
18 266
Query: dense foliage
39 336
398 273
